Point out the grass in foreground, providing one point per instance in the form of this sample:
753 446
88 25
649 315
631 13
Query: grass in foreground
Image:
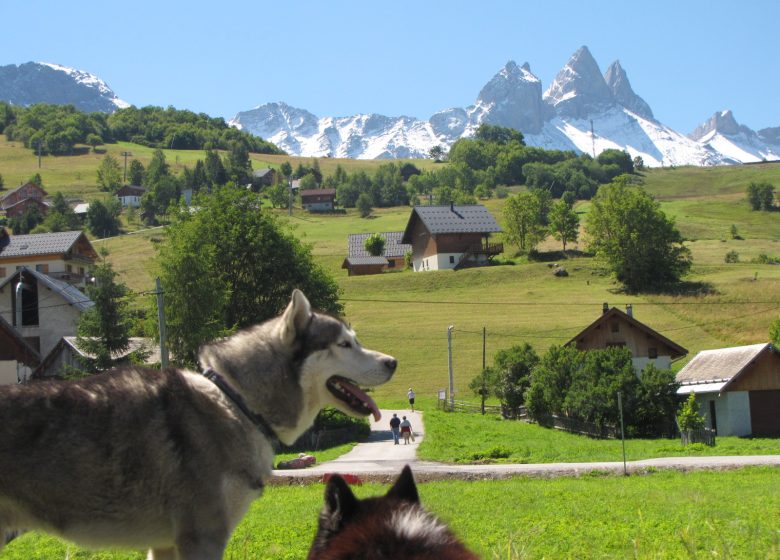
706 514
473 438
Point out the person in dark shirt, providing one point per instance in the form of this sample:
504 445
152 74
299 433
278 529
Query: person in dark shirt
395 424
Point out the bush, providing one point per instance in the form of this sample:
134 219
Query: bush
688 418
732 257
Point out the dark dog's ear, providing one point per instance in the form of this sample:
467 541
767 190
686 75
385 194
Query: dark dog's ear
340 502
296 317
404 488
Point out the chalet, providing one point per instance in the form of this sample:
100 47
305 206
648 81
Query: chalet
67 354
616 328
41 309
359 261
451 237
263 177
318 200
16 201
738 389
17 357
66 255
130 195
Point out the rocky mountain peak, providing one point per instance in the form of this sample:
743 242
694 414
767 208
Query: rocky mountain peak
618 83
42 82
722 122
579 87
513 97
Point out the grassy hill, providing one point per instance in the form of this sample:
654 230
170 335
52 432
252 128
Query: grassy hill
407 314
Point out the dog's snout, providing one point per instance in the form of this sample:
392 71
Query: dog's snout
391 364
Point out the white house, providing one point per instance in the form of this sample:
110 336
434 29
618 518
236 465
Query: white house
737 389
130 195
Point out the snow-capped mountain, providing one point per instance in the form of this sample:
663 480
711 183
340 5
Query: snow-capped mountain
43 82
581 110
723 134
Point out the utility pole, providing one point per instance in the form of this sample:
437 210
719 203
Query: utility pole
126 154
161 320
449 360
484 346
39 153
622 432
290 198
592 139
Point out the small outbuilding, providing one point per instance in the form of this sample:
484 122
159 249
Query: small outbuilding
318 200
738 389
359 261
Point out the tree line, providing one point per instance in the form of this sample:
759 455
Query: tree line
57 129
581 385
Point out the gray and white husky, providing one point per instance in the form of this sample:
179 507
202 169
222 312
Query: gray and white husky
171 460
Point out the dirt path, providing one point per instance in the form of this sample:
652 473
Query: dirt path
379 460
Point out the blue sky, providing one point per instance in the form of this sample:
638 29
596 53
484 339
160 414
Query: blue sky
686 58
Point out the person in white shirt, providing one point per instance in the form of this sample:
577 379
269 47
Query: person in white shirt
410 395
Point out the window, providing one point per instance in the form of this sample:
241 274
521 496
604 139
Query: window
614 326
42 268
452 259
615 344
2 272
652 353
390 263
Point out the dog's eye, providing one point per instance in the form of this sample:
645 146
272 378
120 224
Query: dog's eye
345 344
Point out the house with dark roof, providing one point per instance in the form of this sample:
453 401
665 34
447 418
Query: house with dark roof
66 255
130 195
263 177
17 357
451 237
359 261
16 201
617 328
318 200
737 389
41 309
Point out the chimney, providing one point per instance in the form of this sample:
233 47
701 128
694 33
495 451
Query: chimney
604 308
629 310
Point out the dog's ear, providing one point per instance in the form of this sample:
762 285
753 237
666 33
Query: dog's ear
340 503
296 317
404 488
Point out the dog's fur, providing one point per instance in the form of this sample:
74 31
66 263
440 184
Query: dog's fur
391 527
165 460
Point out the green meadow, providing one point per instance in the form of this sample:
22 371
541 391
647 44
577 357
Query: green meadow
663 514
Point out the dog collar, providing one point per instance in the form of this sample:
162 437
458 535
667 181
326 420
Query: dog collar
256 419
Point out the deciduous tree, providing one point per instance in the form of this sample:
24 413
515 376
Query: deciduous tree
109 174
524 219
564 223
231 265
375 244
637 242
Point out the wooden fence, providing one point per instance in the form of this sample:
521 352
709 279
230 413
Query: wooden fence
576 426
704 435
465 406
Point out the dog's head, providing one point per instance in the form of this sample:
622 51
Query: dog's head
392 526
290 367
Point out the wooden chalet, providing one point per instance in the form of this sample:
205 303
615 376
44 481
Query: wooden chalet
318 200
16 201
738 389
263 177
451 237
359 261
66 255
617 328
130 195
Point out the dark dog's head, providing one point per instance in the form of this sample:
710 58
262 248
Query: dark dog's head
392 526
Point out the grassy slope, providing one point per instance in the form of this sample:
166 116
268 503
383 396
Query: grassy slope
407 314
730 514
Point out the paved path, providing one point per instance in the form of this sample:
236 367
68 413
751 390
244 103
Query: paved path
378 459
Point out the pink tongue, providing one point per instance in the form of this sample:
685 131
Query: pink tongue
365 399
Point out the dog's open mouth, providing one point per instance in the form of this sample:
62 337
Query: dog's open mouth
352 396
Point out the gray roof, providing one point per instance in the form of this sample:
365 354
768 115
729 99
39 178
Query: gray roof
453 219
261 172
134 344
365 260
39 244
393 246
70 294
722 364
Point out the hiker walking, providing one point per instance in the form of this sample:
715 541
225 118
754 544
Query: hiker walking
406 430
410 396
395 423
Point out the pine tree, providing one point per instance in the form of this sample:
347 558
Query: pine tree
104 329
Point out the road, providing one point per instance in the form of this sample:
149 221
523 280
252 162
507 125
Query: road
379 460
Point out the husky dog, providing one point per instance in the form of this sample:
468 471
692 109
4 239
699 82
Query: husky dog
393 526
171 460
